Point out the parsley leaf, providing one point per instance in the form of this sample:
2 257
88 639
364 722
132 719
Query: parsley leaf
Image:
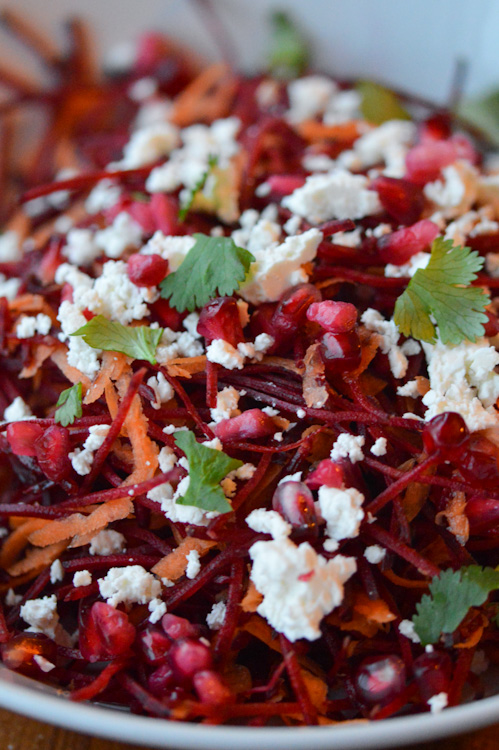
289 55
214 265
139 342
442 290
207 468
379 104
69 403
187 204
452 593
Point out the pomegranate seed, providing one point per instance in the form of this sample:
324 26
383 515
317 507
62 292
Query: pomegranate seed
52 259
291 311
261 320
105 633
491 327
284 184
294 501
327 472
399 247
219 319
167 316
18 653
482 512
188 656
433 673
164 211
141 213
146 270
436 128
161 680
478 464
88 314
425 160
67 293
333 316
210 688
380 678
401 199
178 627
250 425
446 434
154 644
340 352
51 450
22 436
151 51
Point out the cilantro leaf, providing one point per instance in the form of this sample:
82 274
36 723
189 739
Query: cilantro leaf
69 403
139 342
379 104
289 55
483 113
207 467
452 593
442 290
214 265
187 204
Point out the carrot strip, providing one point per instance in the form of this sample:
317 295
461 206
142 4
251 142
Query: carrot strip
30 303
39 354
314 131
173 566
113 365
252 599
207 98
18 539
60 358
37 559
30 36
145 450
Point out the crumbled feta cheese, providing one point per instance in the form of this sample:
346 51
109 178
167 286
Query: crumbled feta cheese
130 585
17 411
9 287
463 380
342 511
267 93
44 664
80 247
348 239
336 195
107 542
223 353
216 616
301 413
379 447
299 586
56 572
309 96
382 144
41 615
292 225
163 391
104 195
80 355
343 107
407 270
142 88
30 325
157 608
374 554
455 193
268 522
82 458
149 144
348 446
410 389
492 264
166 459
227 401
190 514
176 344
215 444
10 247
11 598
388 337
279 267
82 578
438 702
124 233
172 249
193 564
406 628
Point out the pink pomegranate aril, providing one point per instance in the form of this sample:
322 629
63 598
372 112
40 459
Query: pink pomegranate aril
446 434
333 316
161 681
105 633
211 689
178 627
399 247
491 327
340 352
141 214
18 653
328 473
167 315
435 128
295 502
478 464
154 644
380 678
291 311
401 199
146 270
284 184
22 436
164 211
433 673
219 319
250 425
425 161
188 656
51 450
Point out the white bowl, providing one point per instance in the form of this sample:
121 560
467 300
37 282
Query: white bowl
413 45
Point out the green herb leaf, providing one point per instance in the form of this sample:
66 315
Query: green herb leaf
483 114
214 265
452 593
187 204
442 290
69 403
379 104
289 55
139 342
207 468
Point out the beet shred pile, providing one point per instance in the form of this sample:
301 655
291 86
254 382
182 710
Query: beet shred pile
302 613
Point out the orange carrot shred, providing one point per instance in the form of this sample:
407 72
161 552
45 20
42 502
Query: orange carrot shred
251 599
38 559
173 566
18 539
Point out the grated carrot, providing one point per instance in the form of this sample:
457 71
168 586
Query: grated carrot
145 450
374 610
207 98
314 131
173 566
37 559
18 539
31 303
185 367
113 365
60 358
316 688
251 599
39 353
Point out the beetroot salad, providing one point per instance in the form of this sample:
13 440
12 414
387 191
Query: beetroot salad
248 334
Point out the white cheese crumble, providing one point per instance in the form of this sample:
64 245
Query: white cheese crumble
17 411
410 389
10 247
406 628
123 234
407 270
30 325
157 608
374 554
41 615
227 401
103 196
80 248
216 616
172 249
166 497
342 511
268 522
336 195
348 446
44 664
386 143
132 584
9 287
82 578
222 353
299 586
148 144
193 564
56 572
438 702
388 339
82 458
309 96
107 542
379 447
11 598
163 392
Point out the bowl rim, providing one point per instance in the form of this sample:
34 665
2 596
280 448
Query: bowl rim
25 696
